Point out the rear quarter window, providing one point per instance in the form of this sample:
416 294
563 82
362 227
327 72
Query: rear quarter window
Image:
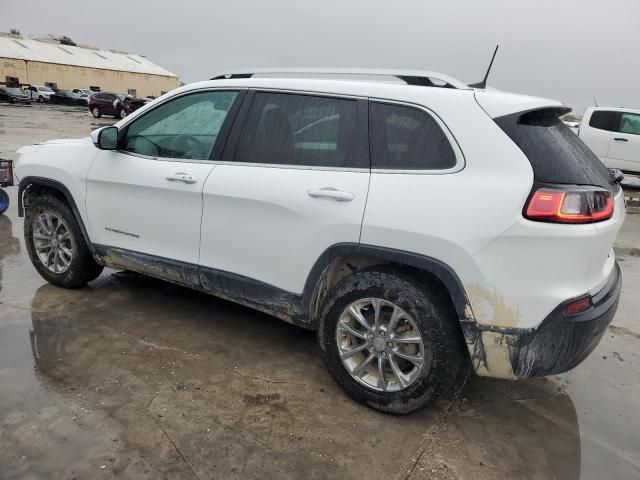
406 138
557 155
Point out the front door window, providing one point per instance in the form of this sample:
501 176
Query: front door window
186 127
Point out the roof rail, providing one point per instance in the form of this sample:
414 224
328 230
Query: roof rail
410 77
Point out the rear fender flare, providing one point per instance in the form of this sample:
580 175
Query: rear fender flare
422 262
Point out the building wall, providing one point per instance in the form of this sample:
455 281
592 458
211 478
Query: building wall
67 77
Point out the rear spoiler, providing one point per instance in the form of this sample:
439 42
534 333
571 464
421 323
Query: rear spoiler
498 104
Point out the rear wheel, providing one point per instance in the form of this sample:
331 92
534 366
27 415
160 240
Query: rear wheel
56 246
390 342
95 112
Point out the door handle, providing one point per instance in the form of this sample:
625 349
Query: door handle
182 177
330 192
618 139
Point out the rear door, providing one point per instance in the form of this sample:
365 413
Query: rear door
293 182
624 152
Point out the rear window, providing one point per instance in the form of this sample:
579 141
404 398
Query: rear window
405 138
557 155
603 120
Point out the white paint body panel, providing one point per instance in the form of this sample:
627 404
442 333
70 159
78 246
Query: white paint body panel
65 161
132 205
260 222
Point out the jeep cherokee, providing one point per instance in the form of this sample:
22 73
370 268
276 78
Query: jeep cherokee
419 225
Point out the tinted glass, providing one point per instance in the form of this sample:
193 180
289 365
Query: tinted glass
630 123
406 138
303 130
557 155
603 120
186 127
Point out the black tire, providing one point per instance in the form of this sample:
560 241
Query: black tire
83 268
435 319
4 201
95 112
40 99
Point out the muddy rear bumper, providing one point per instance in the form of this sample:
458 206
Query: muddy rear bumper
559 344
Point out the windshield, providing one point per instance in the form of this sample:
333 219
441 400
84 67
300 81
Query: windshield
15 91
122 96
45 89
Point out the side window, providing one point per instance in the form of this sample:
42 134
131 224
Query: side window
405 138
305 130
630 123
603 120
185 127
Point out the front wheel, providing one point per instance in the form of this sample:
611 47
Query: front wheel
56 246
122 113
40 99
390 342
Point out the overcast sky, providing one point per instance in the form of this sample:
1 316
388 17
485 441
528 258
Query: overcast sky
570 50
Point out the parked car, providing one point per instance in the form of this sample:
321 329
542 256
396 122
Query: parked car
64 97
81 95
420 230
614 136
39 93
14 95
118 105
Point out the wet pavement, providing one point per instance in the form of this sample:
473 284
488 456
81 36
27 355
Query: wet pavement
133 377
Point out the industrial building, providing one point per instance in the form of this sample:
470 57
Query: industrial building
47 62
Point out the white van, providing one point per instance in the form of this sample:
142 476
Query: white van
614 136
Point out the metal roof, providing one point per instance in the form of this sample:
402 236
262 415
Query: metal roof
47 52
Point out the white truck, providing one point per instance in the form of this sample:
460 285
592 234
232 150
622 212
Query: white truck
614 136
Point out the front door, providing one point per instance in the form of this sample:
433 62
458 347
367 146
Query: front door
293 182
147 196
624 151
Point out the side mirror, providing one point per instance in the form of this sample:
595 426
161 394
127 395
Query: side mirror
105 138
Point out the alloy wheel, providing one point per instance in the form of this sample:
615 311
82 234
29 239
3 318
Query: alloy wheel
52 242
380 345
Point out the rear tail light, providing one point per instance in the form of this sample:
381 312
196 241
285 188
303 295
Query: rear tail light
569 205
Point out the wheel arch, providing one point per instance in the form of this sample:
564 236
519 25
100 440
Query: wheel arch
40 185
342 260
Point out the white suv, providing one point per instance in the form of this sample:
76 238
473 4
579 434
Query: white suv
419 225
614 136
39 93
